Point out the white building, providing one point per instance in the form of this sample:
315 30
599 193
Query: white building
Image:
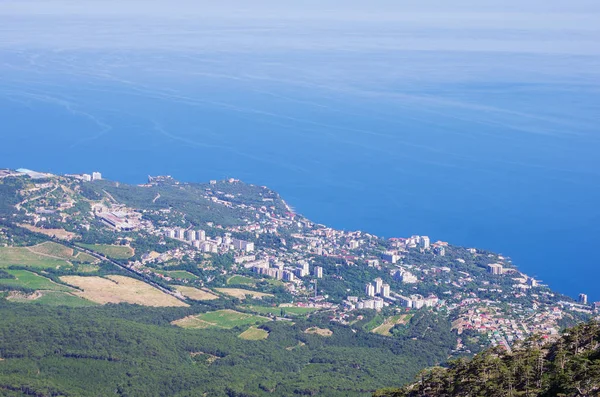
191 235
180 233
495 268
370 289
405 277
288 276
385 290
86 177
305 268
372 262
390 256
378 285
318 272
96 176
170 233
424 242
243 245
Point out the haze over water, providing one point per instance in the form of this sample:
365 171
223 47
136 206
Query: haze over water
474 124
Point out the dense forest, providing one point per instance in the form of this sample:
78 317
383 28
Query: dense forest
129 350
569 366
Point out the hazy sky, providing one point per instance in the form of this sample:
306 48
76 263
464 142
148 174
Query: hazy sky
539 26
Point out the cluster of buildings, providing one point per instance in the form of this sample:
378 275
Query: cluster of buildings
94 176
118 217
277 269
473 299
199 240
378 287
404 276
417 301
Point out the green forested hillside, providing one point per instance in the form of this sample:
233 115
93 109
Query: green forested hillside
567 367
133 351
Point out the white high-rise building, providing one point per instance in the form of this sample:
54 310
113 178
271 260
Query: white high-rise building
425 242
180 233
191 235
305 268
170 233
378 285
243 245
495 268
370 289
201 235
583 299
385 290
96 176
318 272
86 177
288 276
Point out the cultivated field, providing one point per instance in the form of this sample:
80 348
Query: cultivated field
241 293
220 319
241 280
196 294
52 298
58 233
83 257
45 255
53 249
87 268
111 251
389 323
254 333
30 280
24 256
319 331
117 289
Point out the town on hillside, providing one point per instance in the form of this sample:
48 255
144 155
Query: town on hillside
233 240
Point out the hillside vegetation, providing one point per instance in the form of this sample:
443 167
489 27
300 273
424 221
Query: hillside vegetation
567 367
128 350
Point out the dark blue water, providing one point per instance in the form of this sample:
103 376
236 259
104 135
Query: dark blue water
505 164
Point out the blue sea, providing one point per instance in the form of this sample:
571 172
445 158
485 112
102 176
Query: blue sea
473 136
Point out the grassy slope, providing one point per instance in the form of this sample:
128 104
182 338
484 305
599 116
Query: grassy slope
112 251
25 279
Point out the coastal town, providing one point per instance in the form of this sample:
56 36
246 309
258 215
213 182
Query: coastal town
299 262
